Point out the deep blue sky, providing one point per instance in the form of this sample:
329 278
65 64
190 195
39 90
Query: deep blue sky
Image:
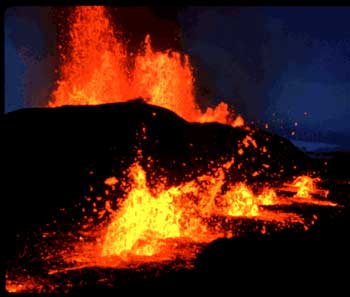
272 64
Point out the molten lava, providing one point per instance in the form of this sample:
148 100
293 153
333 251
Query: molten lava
305 187
161 224
152 223
148 217
98 70
93 72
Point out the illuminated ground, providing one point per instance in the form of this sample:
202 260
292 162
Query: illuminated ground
76 162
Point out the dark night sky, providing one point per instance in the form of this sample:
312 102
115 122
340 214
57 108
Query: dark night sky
271 63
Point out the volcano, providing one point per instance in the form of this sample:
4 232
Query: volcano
108 193
104 140
56 156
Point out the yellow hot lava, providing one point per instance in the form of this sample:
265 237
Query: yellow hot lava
165 223
146 218
305 186
141 219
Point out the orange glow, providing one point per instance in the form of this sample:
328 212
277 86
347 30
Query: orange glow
149 220
305 186
94 71
165 80
24 285
97 70
111 181
248 140
241 202
158 223
163 223
146 218
15 287
141 221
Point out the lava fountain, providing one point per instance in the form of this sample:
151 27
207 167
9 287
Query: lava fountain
159 223
97 69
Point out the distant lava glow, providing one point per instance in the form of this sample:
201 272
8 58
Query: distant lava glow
98 69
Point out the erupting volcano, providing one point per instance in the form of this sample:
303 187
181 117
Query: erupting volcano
162 178
98 69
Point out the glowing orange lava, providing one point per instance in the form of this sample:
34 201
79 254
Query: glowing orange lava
94 71
97 70
26 284
159 223
151 224
148 217
305 187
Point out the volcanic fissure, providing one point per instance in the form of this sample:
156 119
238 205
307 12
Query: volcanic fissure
181 176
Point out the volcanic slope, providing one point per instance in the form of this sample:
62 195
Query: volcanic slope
49 152
53 155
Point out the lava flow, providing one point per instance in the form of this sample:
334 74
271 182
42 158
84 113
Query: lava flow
160 223
97 70
163 224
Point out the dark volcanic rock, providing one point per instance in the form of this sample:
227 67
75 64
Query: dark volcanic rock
49 152
51 156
